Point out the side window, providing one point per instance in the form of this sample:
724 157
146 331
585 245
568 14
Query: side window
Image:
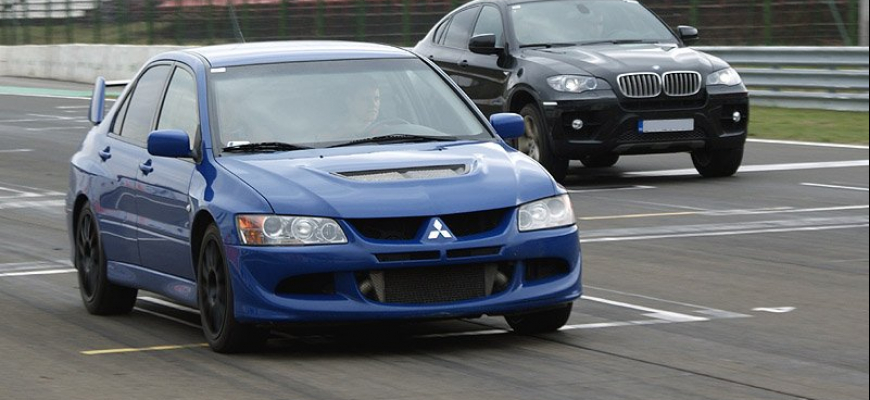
179 107
489 22
459 30
143 104
119 119
438 37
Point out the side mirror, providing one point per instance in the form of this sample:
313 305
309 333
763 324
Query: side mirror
484 44
98 101
172 143
688 33
508 125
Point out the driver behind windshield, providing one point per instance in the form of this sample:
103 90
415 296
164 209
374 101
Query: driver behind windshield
362 105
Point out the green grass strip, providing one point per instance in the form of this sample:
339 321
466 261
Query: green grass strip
822 126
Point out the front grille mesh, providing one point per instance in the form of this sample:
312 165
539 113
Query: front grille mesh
636 137
640 85
434 284
645 85
680 84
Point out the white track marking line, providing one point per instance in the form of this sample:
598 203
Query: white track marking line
168 304
30 188
34 265
723 233
863 189
73 107
775 310
38 272
811 144
757 168
52 128
16 151
784 210
651 312
46 96
701 309
31 204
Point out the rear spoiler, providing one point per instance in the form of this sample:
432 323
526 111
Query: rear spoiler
98 98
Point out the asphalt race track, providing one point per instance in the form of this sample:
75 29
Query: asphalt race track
751 287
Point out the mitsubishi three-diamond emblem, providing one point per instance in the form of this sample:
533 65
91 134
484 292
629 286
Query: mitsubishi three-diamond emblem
437 229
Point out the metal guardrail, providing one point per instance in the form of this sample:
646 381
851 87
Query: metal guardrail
828 78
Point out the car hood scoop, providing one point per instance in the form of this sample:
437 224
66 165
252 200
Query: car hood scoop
393 181
398 174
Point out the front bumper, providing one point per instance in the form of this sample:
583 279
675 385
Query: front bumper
610 123
259 274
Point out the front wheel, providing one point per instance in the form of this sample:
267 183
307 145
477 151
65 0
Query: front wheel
717 163
214 291
100 296
537 145
540 321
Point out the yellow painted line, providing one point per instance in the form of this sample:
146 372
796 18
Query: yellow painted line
142 349
626 216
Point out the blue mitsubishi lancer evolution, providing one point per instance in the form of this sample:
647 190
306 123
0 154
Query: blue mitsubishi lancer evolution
308 182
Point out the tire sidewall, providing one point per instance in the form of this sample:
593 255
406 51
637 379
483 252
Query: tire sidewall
215 339
97 292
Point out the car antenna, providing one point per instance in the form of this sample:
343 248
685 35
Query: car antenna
235 21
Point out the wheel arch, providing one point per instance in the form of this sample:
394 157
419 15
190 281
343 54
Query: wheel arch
78 205
520 97
201 222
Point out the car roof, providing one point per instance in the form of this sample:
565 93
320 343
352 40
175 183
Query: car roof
508 2
290 51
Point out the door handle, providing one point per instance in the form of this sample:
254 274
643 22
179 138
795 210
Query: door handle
146 167
106 153
463 63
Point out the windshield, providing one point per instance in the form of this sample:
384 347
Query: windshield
586 21
289 106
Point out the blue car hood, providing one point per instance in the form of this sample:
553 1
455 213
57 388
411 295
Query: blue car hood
393 180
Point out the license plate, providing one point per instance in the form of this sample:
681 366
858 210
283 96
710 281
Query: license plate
666 125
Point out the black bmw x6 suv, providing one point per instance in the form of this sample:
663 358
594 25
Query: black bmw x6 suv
594 80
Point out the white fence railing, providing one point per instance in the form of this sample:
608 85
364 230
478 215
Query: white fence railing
832 78
828 78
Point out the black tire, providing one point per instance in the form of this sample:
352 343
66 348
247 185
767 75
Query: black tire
536 143
214 293
100 296
599 160
540 321
717 163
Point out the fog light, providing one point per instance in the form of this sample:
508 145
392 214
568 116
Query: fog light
577 124
736 117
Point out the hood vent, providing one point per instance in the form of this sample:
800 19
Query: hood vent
399 174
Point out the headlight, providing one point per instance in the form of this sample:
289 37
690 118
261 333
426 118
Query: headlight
572 83
727 76
276 230
552 212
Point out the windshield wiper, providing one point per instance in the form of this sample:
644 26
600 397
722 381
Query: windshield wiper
398 138
264 147
618 41
547 45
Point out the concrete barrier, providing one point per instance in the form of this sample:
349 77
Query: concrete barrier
76 62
